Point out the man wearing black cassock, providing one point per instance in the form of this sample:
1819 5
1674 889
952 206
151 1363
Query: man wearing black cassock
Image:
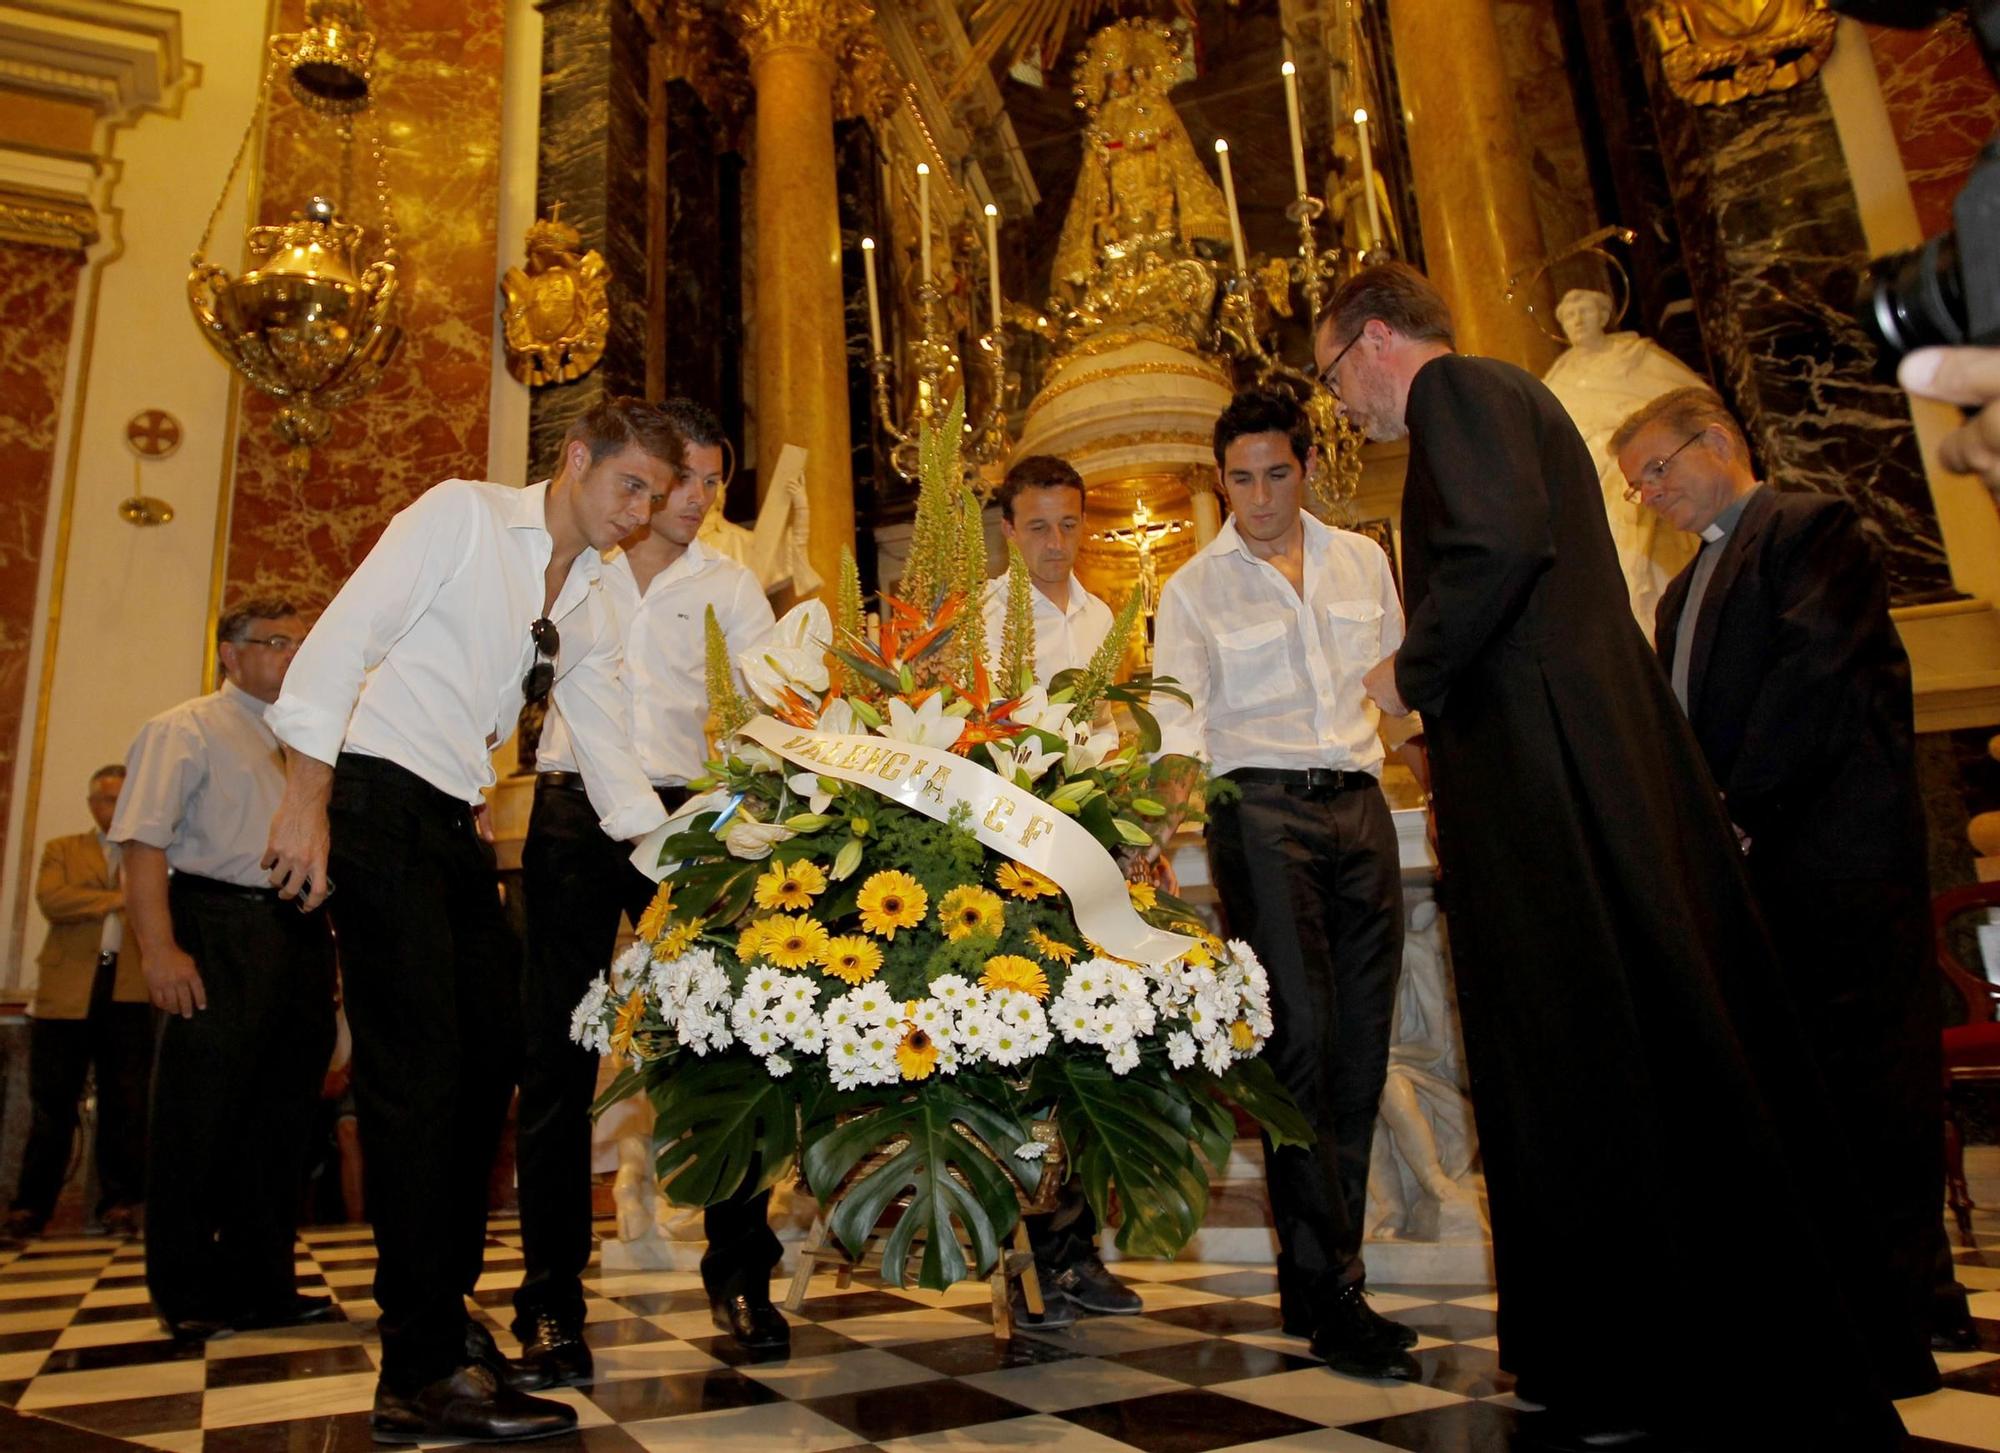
1778 642
1649 1115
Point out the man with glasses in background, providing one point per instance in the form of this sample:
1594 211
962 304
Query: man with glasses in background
477 598
245 984
1780 647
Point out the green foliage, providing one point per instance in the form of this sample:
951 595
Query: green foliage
1253 1085
1017 636
934 537
1135 1132
1096 678
719 1119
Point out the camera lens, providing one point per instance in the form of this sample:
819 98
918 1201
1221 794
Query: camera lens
1914 299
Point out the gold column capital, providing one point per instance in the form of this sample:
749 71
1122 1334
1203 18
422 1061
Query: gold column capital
867 86
822 27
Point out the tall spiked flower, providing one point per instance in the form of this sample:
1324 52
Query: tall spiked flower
1017 635
847 622
968 642
933 535
1104 661
727 710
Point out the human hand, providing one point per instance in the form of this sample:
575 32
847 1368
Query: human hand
1970 378
482 821
174 982
1379 686
296 851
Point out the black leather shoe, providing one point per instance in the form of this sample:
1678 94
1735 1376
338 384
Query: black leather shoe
1090 1284
195 1329
1058 1311
557 1348
1397 1332
517 1376
471 1403
754 1324
121 1221
1350 1339
300 1311
1553 1432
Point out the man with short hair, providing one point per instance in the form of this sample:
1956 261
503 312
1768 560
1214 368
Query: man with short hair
246 986
1631 1044
89 1013
1269 628
476 599
1041 513
1778 642
577 880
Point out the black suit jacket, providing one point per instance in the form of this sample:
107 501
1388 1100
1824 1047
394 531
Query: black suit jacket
1799 692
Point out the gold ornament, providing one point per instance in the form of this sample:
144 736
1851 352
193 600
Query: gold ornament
818 25
557 316
1717 51
331 62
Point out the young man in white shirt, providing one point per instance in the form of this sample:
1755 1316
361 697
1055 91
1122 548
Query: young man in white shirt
477 598
1041 512
1270 629
577 881
245 984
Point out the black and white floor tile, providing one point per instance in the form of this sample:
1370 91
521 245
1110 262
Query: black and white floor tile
84 1369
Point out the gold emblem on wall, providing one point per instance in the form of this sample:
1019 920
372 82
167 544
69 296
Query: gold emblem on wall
557 315
1717 51
150 434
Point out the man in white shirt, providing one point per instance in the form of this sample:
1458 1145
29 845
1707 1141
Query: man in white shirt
476 599
246 983
1041 512
1270 629
577 880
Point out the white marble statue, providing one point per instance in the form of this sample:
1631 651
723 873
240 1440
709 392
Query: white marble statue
1601 379
1420 1181
775 552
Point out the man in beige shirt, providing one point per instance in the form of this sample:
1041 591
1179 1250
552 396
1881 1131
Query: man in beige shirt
246 983
90 1012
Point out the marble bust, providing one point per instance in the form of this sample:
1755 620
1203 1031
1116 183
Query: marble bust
1601 379
775 551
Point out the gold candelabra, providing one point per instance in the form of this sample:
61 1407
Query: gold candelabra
934 359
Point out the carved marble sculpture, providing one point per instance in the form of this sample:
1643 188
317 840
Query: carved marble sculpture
775 552
1601 379
1420 1182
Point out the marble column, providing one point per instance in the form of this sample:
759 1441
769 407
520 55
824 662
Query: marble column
1768 221
801 332
1475 195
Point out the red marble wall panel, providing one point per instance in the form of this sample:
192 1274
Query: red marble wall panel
1942 106
37 298
438 76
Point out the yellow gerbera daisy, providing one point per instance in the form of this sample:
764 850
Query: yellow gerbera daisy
791 941
853 958
627 1023
1053 949
1011 971
1024 882
653 922
1198 955
677 940
916 1056
970 909
1143 895
890 900
790 886
750 943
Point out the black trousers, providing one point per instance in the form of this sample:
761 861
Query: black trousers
1068 1234
431 976
1314 884
117 1040
577 882
233 1095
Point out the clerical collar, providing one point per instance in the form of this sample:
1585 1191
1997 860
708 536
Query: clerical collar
1724 524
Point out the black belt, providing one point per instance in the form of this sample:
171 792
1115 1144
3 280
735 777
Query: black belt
671 798
216 888
1313 781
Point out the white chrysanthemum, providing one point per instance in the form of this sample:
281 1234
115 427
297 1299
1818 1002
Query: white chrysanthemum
1217 1056
789 1019
1181 1049
976 1033
1011 1006
1112 1025
933 1018
1009 1044
952 989
1127 983
1074 1020
1123 1057
709 982
873 1005
762 1038
628 968
763 985
948 1059
1030 1150
810 1037
588 1009
1090 981
799 991
777 1066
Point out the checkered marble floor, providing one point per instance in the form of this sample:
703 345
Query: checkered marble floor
84 1368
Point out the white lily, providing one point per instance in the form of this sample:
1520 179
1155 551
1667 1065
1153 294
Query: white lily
925 726
837 716
1088 752
806 785
745 837
793 655
1023 758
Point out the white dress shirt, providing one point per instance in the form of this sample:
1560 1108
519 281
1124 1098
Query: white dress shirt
1276 678
420 658
666 657
202 783
111 937
1063 637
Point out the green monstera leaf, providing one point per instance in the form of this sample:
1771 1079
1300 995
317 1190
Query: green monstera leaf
721 1121
1136 1133
955 1187
1253 1085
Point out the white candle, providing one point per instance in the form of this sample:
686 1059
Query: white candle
1368 180
1291 75
1229 196
993 262
874 299
924 217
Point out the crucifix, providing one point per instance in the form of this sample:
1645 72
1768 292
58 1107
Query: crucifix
1143 535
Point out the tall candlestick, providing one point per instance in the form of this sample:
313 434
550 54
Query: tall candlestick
924 216
993 262
1229 196
874 300
1291 75
1368 180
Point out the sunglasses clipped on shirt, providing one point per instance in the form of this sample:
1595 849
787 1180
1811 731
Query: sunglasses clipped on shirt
542 675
